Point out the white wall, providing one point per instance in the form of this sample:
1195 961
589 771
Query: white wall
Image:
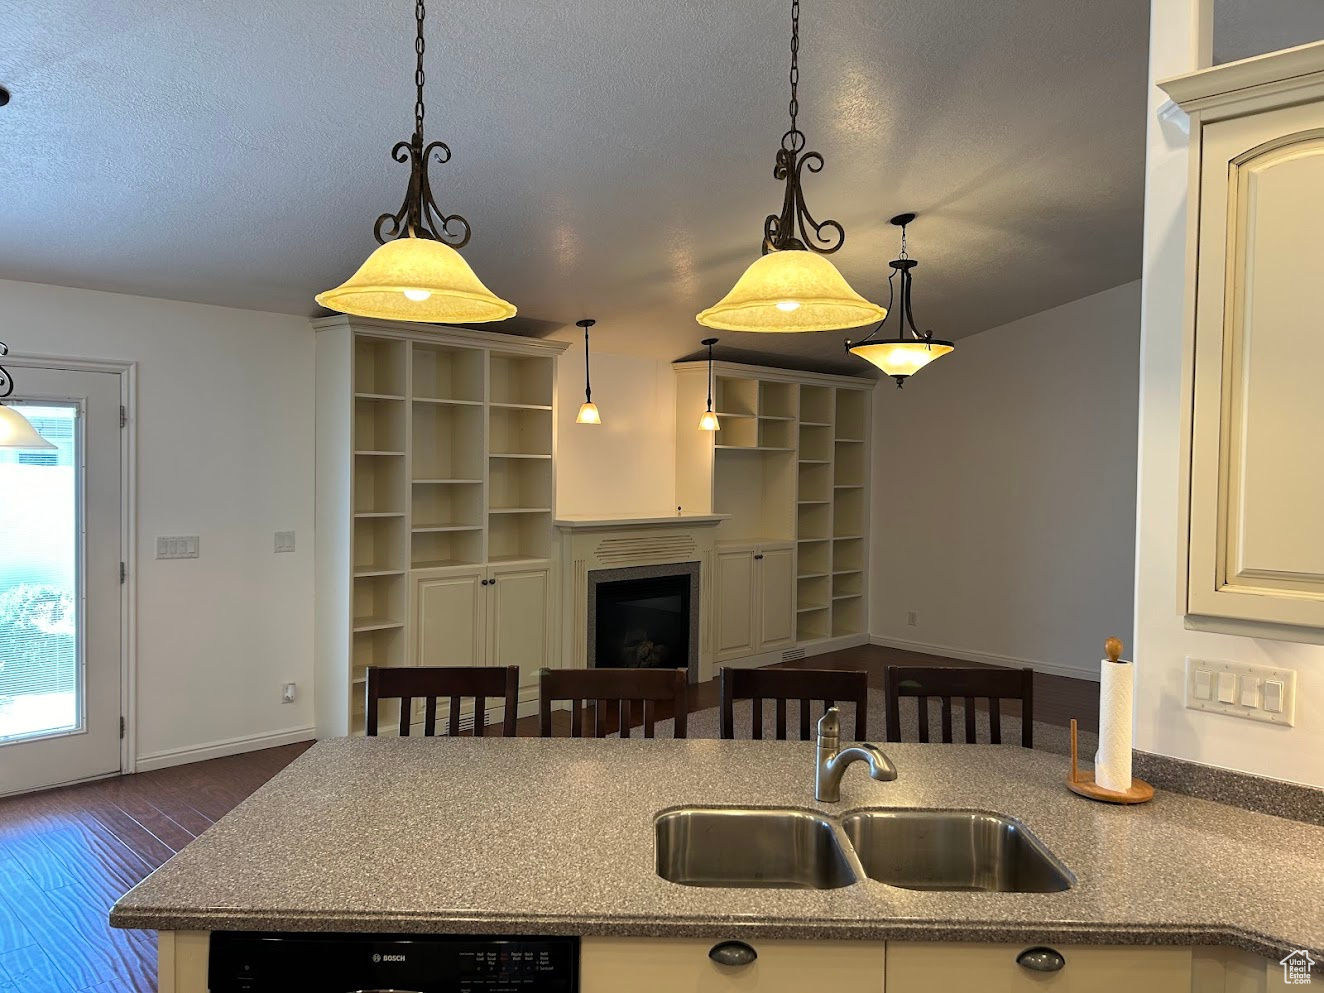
1163 724
626 464
1003 491
225 451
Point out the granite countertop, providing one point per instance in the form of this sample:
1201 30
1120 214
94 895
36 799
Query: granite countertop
537 836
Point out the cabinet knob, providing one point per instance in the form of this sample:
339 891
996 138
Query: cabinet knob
732 953
759 555
1041 959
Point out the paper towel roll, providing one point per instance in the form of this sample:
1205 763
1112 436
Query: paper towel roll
1112 762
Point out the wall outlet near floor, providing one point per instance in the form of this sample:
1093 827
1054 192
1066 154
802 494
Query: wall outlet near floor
182 546
912 618
284 541
287 692
1252 692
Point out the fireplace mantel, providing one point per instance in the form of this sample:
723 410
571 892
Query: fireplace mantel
578 522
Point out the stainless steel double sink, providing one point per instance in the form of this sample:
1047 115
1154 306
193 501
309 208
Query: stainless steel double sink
965 850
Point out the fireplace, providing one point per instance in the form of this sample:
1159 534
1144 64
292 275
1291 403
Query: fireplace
644 618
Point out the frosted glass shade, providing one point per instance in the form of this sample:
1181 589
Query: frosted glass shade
901 358
417 279
791 291
16 431
708 422
588 414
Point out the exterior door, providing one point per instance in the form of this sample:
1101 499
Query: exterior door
776 597
60 586
735 603
448 607
519 620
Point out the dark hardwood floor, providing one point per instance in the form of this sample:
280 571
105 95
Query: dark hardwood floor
66 855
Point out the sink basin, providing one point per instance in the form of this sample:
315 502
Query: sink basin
765 849
953 850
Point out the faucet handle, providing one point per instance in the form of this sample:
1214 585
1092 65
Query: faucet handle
829 725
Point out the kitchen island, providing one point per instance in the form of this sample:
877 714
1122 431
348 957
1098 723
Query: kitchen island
555 837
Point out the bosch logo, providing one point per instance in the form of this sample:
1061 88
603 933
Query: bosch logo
378 957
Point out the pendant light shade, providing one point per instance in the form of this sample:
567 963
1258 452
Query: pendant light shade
16 431
709 421
791 291
900 359
417 279
588 414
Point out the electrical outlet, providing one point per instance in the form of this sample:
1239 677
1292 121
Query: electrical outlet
184 546
1252 692
284 541
287 692
912 618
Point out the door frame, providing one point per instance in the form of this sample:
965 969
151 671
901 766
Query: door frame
128 381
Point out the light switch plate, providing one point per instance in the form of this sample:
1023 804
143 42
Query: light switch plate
180 546
284 541
1245 681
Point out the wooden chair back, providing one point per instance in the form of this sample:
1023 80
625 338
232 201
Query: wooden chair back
431 683
830 686
947 683
613 688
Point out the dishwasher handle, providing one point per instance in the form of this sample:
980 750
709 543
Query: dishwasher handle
733 953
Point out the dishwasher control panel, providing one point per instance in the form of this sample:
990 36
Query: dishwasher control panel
255 962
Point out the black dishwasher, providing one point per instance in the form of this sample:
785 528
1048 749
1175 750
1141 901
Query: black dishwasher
255 962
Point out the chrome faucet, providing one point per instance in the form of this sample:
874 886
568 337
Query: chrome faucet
833 759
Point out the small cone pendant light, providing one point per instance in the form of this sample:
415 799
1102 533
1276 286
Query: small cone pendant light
902 356
709 421
417 274
588 410
793 288
16 431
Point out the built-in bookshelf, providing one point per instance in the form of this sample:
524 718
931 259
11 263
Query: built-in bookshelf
443 459
789 464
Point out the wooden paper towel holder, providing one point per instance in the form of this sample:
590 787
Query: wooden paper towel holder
1083 783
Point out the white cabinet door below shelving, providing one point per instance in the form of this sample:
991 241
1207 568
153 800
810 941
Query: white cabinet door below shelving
449 609
735 603
519 619
776 582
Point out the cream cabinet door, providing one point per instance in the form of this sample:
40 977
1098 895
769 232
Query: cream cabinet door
519 619
1257 475
775 566
448 611
735 603
925 966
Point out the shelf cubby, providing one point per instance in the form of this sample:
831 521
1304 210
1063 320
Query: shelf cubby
816 405
447 442
758 489
446 504
774 433
379 485
512 537
815 443
379 366
736 396
815 481
379 603
847 553
516 431
812 593
813 625
847 616
519 483
814 557
851 407
849 464
432 549
777 399
813 520
848 513
379 544
378 647
737 432
520 379
442 373
379 425
847 584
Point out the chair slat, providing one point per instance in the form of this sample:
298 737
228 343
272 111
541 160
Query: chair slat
453 725
781 719
924 719
600 718
970 720
946 720
994 721
430 717
805 717
406 715
480 715
649 721
623 718
576 721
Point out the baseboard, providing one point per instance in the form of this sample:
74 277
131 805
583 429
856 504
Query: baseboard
987 658
219 749
803 650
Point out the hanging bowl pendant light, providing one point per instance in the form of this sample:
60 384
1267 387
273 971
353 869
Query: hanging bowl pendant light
417 274
588 410
902 356
792 287
709 421
16 431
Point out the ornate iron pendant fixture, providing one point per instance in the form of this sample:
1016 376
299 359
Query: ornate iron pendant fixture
417 274
792 287
902 356
709 422
588 410
16 431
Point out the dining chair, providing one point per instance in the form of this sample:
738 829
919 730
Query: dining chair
829 686
431 683
605 689
949 682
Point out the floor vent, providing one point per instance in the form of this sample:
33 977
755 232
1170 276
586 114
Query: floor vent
794 655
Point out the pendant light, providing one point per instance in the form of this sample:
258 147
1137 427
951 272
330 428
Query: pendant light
417 274
16 431
792 287
902 356
588 410
708 422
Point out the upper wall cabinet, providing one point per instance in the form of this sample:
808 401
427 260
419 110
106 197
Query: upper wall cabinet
1255 299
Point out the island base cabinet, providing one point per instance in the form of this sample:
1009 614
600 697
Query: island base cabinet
665 965
924 966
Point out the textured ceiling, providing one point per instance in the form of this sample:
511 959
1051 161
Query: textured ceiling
614 157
